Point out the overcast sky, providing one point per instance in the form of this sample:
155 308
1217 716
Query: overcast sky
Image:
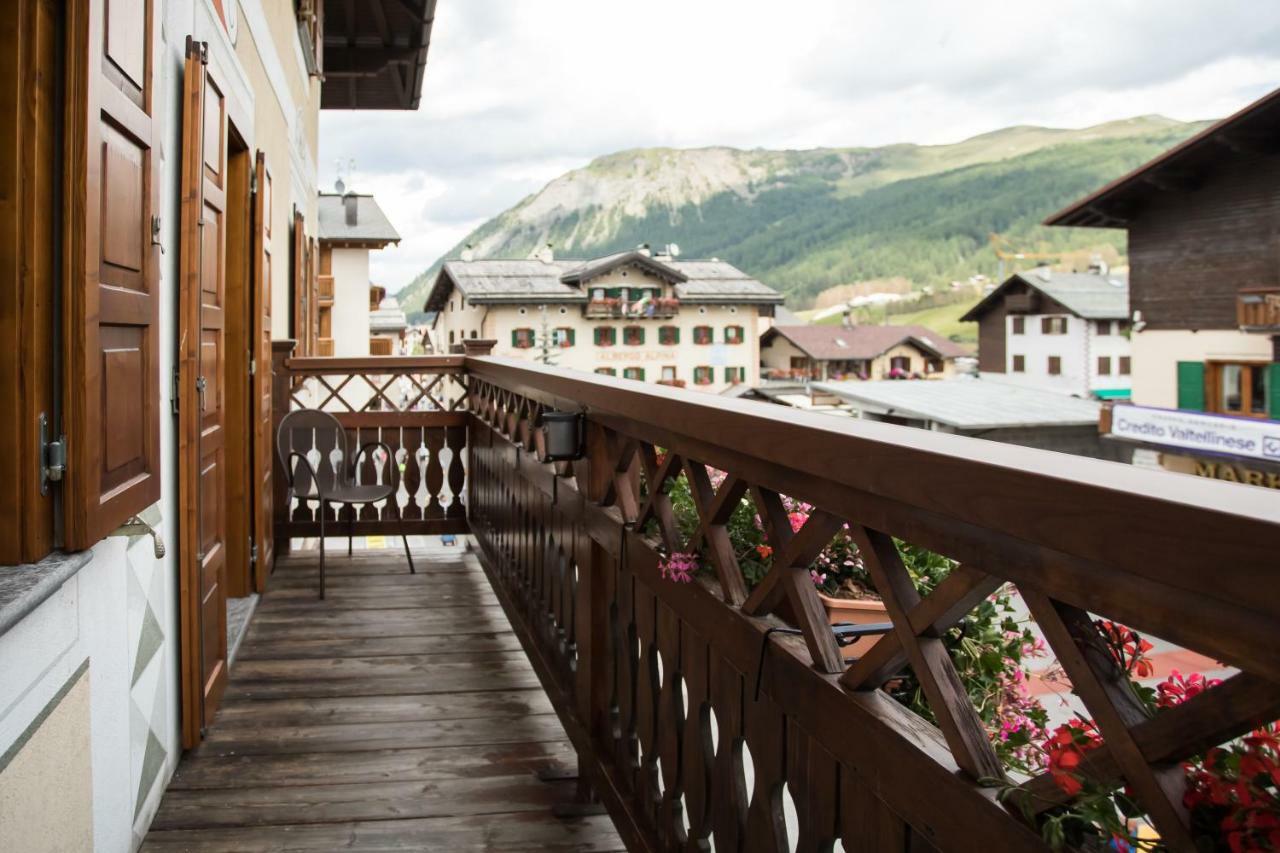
518 92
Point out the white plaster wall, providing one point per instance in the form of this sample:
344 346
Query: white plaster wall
1036 347
350 302
1156 355
1114 347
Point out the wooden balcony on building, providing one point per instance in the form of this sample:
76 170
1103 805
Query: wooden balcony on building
616 309
415 711
324 289
1258 309
1020 303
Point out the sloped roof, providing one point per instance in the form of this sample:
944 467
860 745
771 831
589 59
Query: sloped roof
1256 127
832 343
1092 296
970 404
371 225
588 270
519 281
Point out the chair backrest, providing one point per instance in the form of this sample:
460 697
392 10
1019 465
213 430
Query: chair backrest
305 430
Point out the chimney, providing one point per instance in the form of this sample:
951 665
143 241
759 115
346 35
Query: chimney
339 187
468 253
547 254
351 202
1044 274
644 249
1098 266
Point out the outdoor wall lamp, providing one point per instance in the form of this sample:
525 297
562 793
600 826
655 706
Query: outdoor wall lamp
562 436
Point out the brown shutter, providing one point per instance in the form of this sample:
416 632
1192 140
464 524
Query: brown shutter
301 300
112 388
202 450
260 477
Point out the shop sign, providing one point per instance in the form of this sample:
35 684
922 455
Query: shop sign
1216 434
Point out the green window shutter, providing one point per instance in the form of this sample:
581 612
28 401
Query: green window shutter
1191 385
573 336
1273 391
597 335
515 337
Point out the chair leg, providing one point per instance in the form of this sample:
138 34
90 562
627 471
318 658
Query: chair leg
351 527
323 510
400 523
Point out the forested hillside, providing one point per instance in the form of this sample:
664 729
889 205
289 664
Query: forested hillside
805 221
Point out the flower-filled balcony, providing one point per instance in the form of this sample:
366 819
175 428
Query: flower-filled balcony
616 308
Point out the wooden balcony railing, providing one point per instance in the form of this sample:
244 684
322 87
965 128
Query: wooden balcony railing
1258 309
416 405
675 694
657 309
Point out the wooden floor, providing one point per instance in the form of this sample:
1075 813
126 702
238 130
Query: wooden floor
399 714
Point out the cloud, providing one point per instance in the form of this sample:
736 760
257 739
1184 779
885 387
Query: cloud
517 93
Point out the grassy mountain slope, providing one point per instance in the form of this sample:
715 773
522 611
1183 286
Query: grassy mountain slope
802 221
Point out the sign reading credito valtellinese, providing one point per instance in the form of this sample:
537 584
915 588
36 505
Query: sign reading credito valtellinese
1217 434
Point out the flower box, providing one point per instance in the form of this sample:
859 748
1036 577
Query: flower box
859 611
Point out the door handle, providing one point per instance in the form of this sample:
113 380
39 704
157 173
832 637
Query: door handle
201 384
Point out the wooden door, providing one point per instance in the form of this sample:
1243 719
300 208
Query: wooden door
202 476
260 305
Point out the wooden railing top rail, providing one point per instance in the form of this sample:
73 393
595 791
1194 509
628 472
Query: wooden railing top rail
1188 559
376 364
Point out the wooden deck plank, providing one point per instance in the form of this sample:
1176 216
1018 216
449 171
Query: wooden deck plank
440 764
384 709
507 832
399 713
442 644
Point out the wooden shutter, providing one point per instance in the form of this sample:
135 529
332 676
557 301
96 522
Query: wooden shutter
112 389
1191 385
260 476
202 552
299 287
1273 390
573 336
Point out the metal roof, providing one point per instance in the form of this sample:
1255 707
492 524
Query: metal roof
968 404
1092 296
520 281
371 225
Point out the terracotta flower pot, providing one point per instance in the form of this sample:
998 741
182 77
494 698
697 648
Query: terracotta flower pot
859 612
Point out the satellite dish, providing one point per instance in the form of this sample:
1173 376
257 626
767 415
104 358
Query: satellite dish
674 250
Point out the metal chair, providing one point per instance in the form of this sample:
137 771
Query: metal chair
302 430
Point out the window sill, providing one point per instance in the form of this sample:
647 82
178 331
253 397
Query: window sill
25 587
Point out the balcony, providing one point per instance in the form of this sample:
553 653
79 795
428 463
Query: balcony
616 309
413 711
1020 303
1258 309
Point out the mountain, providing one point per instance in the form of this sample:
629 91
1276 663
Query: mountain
804 221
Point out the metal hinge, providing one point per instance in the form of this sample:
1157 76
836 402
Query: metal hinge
173 390
253 552
201 385
253 365
155 233
53 456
